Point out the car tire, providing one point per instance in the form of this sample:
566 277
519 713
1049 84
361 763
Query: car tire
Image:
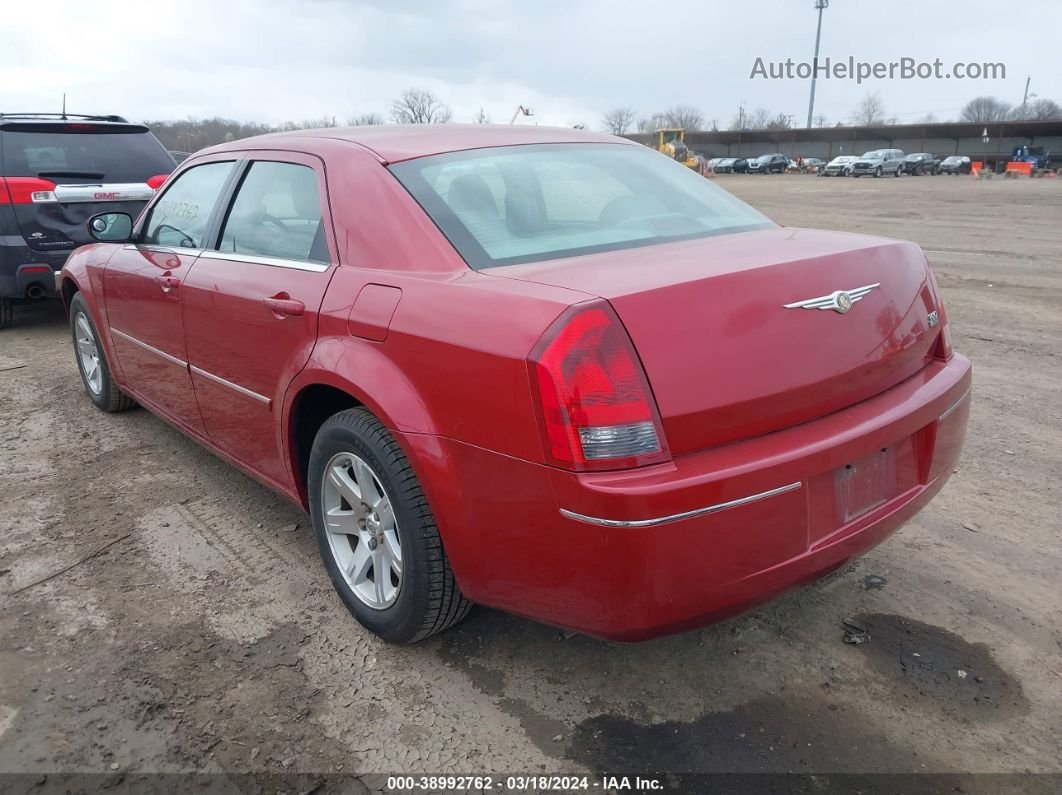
7 312
878 173
91 361
381 503
897 174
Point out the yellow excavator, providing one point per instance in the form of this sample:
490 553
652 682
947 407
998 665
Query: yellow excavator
671 141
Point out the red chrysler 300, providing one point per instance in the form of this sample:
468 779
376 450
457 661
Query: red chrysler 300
542 370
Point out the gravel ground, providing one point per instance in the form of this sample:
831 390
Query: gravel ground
206 637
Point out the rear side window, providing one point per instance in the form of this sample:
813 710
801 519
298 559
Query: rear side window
74 155
181 215
505 205
277 213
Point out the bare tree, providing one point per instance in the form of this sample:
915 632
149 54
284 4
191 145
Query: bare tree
685 116
420 106
652 123
985 109
365 120
758 119
780 121
820 120
482 117
929 118
1041 110
870 111
619 120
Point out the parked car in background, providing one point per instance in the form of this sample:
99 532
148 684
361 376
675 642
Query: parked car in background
840 166
56 171
812 165
955 164
766 164
445 343
921 163
879 162
731 165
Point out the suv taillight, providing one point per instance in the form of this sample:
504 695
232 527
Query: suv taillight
26 190
157 181
596 406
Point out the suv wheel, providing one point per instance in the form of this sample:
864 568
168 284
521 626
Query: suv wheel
376 532
7 312
91 362
878 172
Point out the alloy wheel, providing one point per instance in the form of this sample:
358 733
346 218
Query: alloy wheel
89 354
362 531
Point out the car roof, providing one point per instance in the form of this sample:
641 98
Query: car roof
392 143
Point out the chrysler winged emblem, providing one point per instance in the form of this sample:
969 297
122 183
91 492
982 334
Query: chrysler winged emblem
840 301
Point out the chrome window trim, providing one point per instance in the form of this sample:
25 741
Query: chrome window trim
235 387
149 348
191 252
956 404
676 517
273 262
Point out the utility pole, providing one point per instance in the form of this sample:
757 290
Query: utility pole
821 5
1025 98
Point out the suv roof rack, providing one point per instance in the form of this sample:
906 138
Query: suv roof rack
63 117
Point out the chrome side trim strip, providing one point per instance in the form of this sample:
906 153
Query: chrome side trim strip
273 262
191 252
149 348
635 523
235 387
956 404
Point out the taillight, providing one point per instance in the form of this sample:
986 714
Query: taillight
27 190
942 348
596 406
156 182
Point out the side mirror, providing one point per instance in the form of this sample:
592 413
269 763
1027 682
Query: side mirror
111 227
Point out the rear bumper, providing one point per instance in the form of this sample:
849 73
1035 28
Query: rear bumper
22 268
632 555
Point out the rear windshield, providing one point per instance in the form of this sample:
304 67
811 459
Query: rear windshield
505 205
113 155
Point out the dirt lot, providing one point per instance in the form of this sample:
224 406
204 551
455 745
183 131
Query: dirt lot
208 638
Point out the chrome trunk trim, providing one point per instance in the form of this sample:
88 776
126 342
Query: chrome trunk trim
676 517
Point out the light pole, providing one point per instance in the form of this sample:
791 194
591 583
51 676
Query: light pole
821 5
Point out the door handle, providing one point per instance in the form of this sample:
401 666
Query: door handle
282 304
167 282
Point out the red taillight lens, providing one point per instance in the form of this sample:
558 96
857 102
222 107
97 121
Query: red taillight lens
26 190
597 409
156 182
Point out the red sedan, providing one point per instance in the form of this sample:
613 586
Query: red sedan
542 370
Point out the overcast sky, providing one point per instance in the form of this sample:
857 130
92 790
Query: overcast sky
570 60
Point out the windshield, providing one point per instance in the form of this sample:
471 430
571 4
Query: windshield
876 154
93 154
919 156
953 159
501 206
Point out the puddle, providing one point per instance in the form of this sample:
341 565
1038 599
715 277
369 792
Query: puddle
763 736
928 662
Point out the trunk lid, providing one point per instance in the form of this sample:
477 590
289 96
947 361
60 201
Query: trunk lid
725 355
57 175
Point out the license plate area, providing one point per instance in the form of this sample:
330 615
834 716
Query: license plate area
866 484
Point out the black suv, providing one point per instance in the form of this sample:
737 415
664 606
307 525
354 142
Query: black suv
921 163
765 164
57 170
